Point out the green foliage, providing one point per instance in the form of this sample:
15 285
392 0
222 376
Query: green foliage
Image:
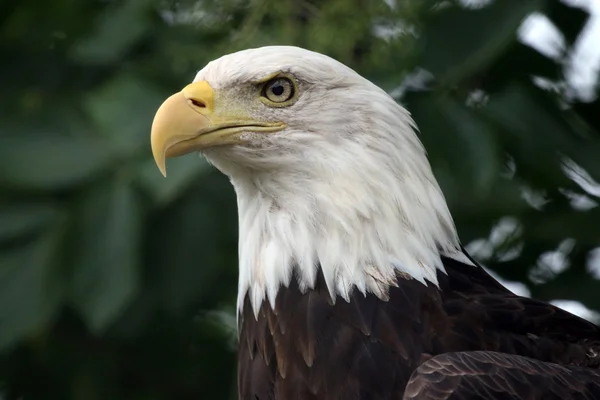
116 283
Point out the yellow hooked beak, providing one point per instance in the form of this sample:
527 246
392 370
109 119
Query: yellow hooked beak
191 120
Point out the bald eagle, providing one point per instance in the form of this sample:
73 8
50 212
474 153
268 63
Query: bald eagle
353 284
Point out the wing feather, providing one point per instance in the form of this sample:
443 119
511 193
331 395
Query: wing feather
497 376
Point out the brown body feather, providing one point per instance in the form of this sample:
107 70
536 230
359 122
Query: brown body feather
458 341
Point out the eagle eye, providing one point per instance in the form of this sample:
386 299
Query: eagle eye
279 90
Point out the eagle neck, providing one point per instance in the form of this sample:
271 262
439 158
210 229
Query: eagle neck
358 231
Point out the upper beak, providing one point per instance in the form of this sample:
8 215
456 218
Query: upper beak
190 121
182 117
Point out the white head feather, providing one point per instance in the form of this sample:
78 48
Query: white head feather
346 187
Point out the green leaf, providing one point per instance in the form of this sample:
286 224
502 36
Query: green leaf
574 283
590 112
528 113
510 67
122 111
117 29
106 242
24 218
182 172
504 198
549 226
192 244
50 161
462 41
568 19
458 140
29 289
524 112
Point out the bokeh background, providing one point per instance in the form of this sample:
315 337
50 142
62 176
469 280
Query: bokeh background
118 284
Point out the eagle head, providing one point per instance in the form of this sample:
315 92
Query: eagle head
328 170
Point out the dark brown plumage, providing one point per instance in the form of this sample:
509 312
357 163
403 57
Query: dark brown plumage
468 339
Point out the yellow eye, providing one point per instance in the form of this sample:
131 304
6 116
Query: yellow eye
279 90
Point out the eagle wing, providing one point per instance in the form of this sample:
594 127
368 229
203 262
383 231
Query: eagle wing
497 376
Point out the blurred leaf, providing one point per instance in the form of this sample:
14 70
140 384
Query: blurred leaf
544 226
568 19
526 113
510 68
107 252
590 111
117 29
185 249
503 198
226 320
20 219
182 171
467 146
29 289
519 269
50 161
521 110
461 41
120 110
573 283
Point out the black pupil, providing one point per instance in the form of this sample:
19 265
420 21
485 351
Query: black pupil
277 89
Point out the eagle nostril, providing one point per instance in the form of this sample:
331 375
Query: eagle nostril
198 103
